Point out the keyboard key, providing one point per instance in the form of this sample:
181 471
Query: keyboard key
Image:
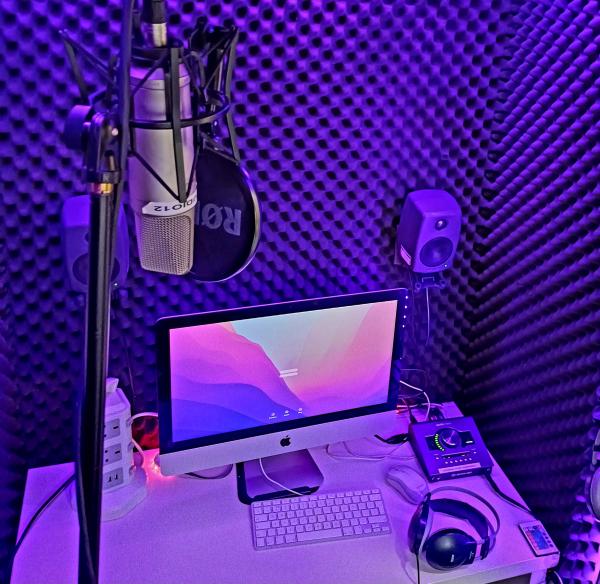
290 538
347 530
378 519
264 525
315 535
260 542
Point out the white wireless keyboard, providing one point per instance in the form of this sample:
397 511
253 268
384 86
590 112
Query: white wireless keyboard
318 517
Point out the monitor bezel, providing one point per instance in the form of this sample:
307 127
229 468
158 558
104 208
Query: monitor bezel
164 325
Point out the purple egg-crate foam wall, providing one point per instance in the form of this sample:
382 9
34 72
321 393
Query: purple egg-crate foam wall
533 371
12 465
341 108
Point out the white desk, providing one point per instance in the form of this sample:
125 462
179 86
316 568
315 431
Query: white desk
194 531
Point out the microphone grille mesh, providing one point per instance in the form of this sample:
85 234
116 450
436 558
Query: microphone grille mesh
166 244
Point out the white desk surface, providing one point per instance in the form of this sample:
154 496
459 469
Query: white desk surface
194 531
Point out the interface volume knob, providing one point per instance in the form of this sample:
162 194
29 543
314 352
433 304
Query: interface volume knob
450 438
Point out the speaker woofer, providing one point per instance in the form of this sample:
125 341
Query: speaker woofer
436 251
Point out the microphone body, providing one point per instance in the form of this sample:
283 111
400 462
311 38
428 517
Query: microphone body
164 226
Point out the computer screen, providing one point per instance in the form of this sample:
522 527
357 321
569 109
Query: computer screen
234 375
245 383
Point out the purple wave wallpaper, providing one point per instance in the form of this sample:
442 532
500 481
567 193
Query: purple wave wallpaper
242 374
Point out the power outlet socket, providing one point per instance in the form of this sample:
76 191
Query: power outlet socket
112 428
113 453
113 478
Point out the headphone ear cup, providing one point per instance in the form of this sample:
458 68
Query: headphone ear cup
594 493
450 548
418 526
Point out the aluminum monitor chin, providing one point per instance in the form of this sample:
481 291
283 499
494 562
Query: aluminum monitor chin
241 384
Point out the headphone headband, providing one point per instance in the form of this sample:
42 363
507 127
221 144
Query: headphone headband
481 500
420 525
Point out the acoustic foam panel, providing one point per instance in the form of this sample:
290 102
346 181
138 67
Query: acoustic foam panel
12 465
533 367
341 107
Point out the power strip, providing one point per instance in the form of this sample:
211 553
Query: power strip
123 481
118 465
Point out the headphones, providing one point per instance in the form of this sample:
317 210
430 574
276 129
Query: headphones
592 482
449 548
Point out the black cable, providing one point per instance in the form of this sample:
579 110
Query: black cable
222 475
418 569
396 439
38 514
498 491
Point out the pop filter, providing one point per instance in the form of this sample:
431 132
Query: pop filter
227 218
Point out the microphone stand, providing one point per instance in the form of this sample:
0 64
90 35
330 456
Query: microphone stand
104 138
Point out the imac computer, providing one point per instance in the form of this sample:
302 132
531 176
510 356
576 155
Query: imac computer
242 384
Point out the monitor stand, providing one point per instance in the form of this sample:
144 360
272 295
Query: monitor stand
296 470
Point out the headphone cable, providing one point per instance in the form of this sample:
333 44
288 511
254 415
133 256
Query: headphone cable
418 570
494 485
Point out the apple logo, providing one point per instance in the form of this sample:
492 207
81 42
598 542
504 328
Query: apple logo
285 441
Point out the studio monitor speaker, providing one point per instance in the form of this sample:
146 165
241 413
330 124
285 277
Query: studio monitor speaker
428 231
75 238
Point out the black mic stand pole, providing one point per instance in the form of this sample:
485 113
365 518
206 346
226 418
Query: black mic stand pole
104 138
91 432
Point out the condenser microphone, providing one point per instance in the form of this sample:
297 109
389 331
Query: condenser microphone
164 223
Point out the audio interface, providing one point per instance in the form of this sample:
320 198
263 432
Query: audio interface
449 448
